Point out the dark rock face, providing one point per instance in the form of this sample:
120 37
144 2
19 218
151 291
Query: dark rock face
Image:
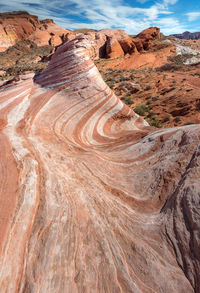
188 36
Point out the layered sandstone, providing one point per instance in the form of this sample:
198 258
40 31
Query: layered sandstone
92 198
20 25
15 27
112 43
48 33
151 33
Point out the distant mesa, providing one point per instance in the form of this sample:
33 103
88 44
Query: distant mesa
188 35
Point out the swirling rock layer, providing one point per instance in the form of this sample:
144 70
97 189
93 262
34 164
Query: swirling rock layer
92 198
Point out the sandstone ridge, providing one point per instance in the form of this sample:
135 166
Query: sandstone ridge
92 198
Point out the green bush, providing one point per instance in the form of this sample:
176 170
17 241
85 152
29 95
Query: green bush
141 109
127 100
155 122
110 83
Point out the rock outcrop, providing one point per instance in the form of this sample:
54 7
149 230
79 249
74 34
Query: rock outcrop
114 43
143 41
188 36
107 43
151 33
92 198
20 25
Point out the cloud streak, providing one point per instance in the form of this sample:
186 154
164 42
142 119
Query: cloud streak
102 14
192 16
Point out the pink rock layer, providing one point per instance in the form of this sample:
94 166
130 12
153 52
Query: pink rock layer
92 198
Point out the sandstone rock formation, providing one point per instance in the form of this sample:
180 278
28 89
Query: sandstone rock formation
20 25
48 33
150 33
143 40
16 26
92 198
113 48
114 43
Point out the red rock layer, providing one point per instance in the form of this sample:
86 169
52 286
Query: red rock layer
16 26
115 43
92 199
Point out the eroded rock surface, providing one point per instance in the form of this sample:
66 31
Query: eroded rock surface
20 25
92 198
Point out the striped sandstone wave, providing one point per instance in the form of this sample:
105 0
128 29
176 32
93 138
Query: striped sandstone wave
92 198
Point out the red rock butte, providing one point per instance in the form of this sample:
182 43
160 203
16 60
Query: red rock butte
92 198
19 25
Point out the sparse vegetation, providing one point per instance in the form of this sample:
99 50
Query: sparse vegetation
165 105
127 100
122 78
154 122
23 56
141 109
110 82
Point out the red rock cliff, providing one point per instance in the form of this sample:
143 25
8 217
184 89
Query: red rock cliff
15 26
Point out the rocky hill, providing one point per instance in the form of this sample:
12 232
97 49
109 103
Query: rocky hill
188 36
20 25
92 198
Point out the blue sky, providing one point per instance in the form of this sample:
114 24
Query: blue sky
172 16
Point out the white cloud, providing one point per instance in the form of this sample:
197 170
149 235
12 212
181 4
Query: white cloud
100 14
193 15
170 25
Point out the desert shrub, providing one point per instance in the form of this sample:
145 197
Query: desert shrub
110 79
148 87
166 119
155 122
151 115
155 99
177 119
169 67
110 82
123 78
141 109
127 100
